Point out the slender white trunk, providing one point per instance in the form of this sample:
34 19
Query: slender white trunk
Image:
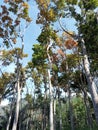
51 102
51 116
10 116
70 110
50 88
60 117
17 107
45 106
9 120
54 113
91 83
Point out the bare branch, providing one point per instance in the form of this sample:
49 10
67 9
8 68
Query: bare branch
71 35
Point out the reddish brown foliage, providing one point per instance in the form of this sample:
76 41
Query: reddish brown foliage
70 43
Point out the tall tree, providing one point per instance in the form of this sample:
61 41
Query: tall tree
83 19
11 33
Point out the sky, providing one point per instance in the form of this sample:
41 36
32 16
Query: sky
30 35
33 31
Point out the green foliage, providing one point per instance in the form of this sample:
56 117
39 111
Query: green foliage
28 98
72 2
39 55
72 60
63 113
6 80
54 67
9 56
47 34
88 4
60 4
87 25
65 68
4 114
88 28
47 13
11 15
79 110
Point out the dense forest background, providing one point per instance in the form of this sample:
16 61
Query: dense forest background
57 87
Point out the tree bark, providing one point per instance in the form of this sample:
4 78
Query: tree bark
10 116
54 113
91 83
51 102
17 108
60 120
45 106
18 97
50 88
9 121
88 114
70 109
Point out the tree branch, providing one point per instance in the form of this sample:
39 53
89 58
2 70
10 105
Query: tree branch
71 35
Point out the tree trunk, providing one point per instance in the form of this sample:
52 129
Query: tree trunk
9 121
44 113
54 113
70 110
51 102
10 116
91 83
88 114
50 87
60 120
17 108
60 109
